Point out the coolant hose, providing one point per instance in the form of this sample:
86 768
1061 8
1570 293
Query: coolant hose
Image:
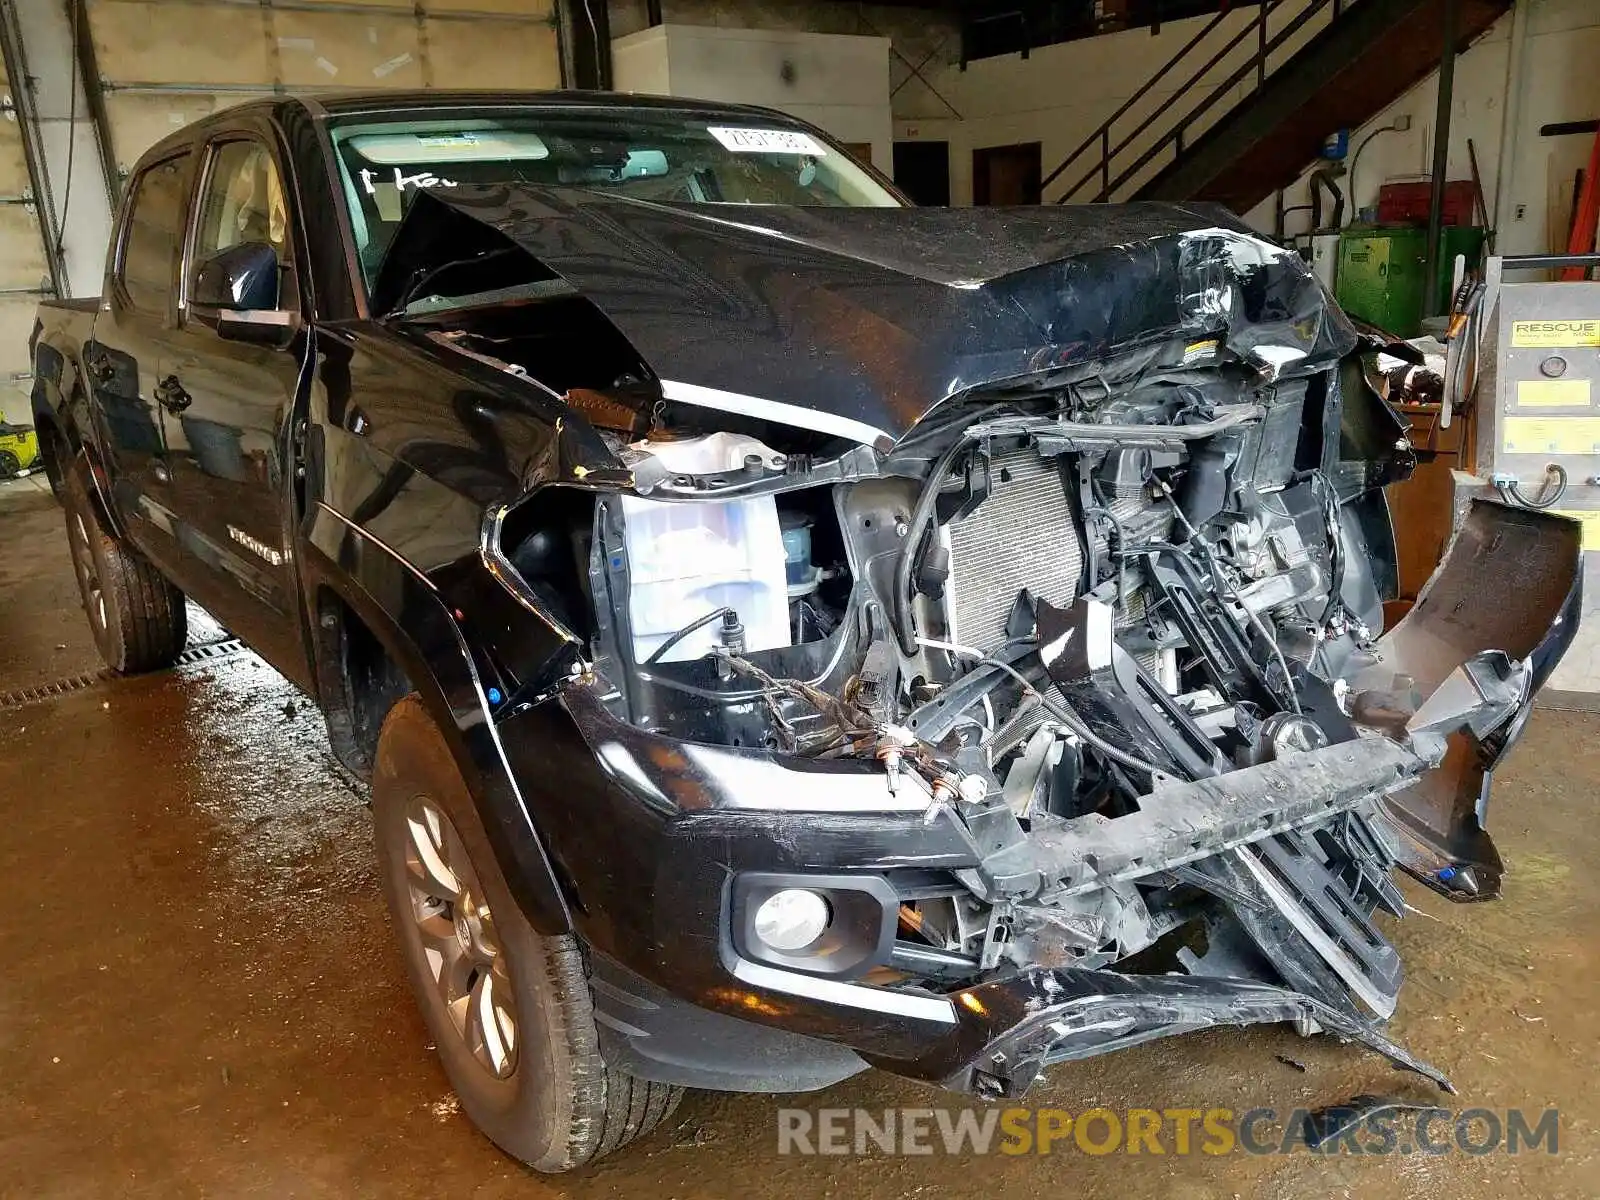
905 626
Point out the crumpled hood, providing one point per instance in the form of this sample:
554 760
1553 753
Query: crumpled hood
867 318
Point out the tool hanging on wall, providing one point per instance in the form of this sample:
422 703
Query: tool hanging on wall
1483 203
1585 217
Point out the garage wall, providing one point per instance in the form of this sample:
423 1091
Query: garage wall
164 64
1059 95
921 40
838 82
1559 83
23 270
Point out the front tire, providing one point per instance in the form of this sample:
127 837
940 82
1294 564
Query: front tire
509 1009
137 617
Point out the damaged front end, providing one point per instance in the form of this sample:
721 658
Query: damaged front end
1101 619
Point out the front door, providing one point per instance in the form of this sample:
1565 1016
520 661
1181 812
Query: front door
230 408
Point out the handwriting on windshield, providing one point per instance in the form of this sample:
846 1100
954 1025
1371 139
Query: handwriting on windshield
402 181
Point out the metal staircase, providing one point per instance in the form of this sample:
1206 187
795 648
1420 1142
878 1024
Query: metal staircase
1250 99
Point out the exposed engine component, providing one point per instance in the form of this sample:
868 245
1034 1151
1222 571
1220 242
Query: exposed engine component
1011 492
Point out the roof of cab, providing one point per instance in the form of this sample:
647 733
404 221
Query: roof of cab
346 103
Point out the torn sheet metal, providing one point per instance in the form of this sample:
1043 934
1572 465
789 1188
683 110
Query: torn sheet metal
1011 1030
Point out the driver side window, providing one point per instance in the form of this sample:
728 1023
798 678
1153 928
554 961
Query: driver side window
244 202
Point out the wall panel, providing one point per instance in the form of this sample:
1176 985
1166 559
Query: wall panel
525 55
164 64
23 268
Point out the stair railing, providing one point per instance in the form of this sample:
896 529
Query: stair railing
1110 176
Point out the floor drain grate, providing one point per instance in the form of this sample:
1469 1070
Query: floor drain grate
226 648
46 691
207 652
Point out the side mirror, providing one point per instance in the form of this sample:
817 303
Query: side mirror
262 326
244 276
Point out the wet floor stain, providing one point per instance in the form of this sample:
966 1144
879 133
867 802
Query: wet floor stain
200 996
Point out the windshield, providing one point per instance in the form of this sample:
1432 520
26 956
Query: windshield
695 158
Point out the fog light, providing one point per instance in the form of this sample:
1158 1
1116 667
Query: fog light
791 919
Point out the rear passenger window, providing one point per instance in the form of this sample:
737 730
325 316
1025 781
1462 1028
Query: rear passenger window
155 226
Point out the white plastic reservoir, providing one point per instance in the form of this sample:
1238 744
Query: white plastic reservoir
686 559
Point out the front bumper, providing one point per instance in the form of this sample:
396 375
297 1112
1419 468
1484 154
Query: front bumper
650 834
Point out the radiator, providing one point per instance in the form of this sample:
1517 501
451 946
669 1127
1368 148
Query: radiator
1023 536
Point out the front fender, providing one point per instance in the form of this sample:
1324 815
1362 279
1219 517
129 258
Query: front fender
403 609
1511 580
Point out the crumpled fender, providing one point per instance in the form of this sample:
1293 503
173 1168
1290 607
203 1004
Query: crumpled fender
1511 580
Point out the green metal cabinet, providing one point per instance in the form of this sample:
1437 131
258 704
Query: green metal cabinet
1382 269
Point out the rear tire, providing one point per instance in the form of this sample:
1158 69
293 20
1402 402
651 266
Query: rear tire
9 466
137 617
509 1009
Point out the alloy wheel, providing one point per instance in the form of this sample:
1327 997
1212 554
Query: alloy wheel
94 595
459 942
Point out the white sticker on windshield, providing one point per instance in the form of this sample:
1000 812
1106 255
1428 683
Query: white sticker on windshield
767 141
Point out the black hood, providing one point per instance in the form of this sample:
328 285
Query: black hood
866 318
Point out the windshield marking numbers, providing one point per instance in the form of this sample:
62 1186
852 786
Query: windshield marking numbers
767 141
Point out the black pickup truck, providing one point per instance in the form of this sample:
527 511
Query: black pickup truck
787 630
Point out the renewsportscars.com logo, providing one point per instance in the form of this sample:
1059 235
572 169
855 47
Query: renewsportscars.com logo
1382 1130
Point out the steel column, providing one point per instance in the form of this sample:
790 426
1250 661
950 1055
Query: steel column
1441 156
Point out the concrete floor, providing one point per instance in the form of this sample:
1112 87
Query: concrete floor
200 995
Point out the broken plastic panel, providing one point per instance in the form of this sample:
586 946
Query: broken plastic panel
1511 581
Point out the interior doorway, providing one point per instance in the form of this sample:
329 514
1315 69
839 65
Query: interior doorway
922 171
1006 174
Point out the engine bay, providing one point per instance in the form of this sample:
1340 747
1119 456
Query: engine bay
1197 559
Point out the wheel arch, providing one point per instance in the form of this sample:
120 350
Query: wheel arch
61 410
378 624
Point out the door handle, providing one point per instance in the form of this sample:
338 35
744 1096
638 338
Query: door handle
99 367
171 396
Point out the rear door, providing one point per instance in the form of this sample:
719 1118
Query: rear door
131 337
231 408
